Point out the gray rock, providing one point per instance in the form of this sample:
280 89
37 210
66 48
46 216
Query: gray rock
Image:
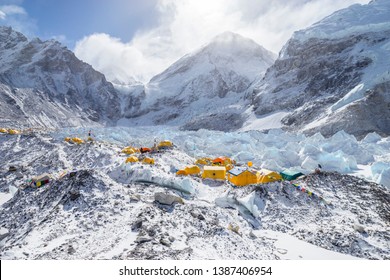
135 198
142 239
137 225
165 242
12 168
71 250
167 199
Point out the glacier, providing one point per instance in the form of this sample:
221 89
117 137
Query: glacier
275 149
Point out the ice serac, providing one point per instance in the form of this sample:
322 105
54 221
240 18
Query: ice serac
333 75
42 83
204 89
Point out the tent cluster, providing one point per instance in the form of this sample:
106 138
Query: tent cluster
145 160
249 176
224 168
9 131
212 168
138 154
74 140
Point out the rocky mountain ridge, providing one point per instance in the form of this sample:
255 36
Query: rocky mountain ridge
43 84
332 76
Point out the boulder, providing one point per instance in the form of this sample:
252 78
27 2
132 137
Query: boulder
12 168
142 239
165 242
137 225
359 228
167 199
135 198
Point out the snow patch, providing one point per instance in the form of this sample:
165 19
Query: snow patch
270 121
355 94
291 248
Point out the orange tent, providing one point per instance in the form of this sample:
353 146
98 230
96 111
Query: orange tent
145 150
222 161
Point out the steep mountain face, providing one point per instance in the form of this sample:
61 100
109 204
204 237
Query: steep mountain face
334 75
44 84
203 89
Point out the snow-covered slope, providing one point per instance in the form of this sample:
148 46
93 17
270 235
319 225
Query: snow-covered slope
204 89
333 75
108 211
44 84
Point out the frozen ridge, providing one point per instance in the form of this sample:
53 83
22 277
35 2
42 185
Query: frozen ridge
356 19
108 209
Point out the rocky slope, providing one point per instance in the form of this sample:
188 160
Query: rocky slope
204 89
44 84
333 75
108 210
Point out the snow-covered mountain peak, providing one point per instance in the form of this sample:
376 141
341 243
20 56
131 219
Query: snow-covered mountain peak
229 52
214 77
7 33
10 38
232 42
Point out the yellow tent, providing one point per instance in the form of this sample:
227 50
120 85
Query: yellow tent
181 172
132 159
67 139
165 144
128 150
3 130
243 176
203 161
214 172
267 176
77 140
192 170
13 131
148 160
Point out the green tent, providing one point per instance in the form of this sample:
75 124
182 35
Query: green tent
290 175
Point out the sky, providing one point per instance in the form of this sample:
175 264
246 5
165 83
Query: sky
133 39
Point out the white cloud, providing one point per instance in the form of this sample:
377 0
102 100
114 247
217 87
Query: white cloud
187 24
17 17
11 10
